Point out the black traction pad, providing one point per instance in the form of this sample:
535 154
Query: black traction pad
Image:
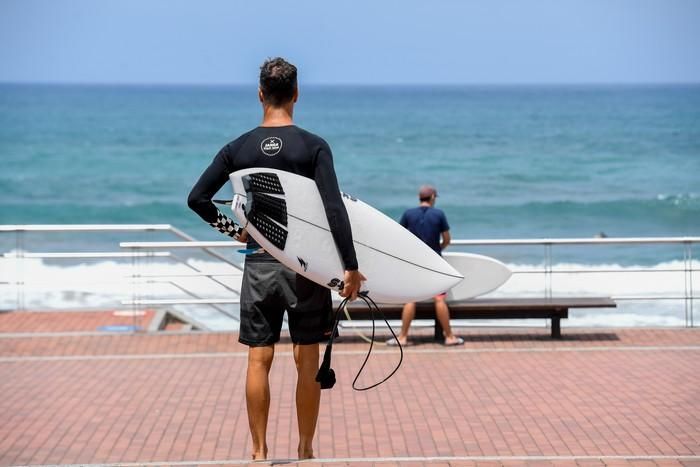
264 211
273 232
263 182
271 206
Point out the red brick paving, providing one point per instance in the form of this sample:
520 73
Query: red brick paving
507 398
64 326
68 321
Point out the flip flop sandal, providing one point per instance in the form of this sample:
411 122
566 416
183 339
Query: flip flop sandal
457 341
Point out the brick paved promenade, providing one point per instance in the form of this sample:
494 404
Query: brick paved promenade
71 395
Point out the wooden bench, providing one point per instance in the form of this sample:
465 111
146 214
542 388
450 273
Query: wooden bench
492 308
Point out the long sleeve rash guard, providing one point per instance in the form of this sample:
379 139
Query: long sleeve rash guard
288 148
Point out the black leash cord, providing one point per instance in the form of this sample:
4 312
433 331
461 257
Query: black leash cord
326 375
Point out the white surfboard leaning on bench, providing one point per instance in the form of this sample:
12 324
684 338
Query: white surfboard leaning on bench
482 275
284 213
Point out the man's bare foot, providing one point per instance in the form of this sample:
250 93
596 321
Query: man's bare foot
306 454
260 456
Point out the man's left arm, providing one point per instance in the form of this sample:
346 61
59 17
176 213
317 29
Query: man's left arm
337 215
338 221
199 199
445 239
445 232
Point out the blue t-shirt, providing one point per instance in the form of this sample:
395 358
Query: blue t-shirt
427 224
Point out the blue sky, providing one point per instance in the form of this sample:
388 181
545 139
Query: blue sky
357 42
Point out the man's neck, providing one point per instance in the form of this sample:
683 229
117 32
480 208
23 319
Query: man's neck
277 116
426 204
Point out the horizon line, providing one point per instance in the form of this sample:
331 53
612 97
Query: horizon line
386 84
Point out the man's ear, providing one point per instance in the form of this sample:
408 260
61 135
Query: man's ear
296 95
260 95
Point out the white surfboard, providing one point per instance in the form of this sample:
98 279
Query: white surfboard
482 275
284 213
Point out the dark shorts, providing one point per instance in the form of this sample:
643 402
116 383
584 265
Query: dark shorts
270 288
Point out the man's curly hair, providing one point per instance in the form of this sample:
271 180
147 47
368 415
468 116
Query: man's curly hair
278 81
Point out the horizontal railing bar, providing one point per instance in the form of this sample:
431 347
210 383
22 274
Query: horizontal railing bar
194 274
613 297
175 301
578 241
117 254
588 271
224 301
154 245
210 301
546 241
69 255
63 283
575 271
550 241
679 297
82 227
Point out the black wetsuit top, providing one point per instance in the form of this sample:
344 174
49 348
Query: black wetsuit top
287 148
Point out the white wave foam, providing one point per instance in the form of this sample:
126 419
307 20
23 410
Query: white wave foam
47 284
656 284
38 284
663 279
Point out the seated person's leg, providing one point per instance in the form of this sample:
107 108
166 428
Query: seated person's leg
442 312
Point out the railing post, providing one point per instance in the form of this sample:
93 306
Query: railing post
687 265
134 291
148 286
19 258
547 270
690 281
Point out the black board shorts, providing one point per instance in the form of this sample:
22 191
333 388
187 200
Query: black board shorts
268 289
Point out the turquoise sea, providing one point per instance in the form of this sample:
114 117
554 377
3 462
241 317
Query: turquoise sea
508 161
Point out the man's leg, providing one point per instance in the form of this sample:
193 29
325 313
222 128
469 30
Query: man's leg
407 315
443 315
308 396
257 394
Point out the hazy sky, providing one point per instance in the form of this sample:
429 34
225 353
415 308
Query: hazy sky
359 41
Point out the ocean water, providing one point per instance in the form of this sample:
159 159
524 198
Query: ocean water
508 161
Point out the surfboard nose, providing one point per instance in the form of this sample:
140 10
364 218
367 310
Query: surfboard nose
454 273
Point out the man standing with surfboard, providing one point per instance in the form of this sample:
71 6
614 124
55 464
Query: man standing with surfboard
268 287
430 225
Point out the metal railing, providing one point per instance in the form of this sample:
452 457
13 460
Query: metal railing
548 270
141 251
19 281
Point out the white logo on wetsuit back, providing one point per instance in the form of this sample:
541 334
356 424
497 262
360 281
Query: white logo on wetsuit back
271 146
